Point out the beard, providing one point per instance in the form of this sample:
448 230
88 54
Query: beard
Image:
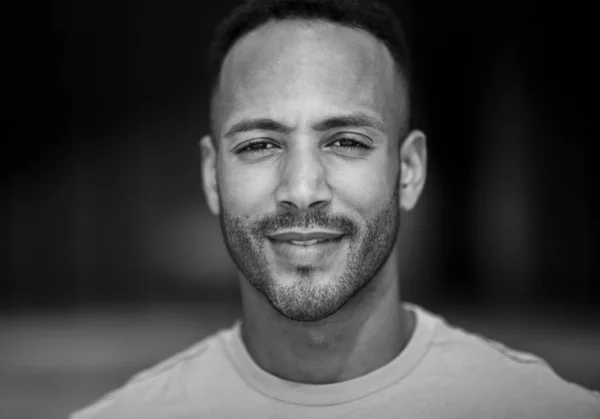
306 299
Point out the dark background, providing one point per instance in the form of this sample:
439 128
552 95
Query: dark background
111 261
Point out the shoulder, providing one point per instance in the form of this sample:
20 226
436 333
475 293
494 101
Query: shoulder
501 376
161 384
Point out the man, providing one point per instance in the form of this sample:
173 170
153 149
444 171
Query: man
309 165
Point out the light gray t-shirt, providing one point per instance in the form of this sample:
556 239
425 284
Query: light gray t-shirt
443 372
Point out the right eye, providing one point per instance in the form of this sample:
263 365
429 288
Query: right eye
255 147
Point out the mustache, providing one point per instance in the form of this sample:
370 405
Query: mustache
272 223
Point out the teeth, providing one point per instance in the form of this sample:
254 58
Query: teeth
307 242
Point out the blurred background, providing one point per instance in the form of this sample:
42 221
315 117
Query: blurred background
110 260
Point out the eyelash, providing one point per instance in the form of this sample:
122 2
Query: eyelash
247 147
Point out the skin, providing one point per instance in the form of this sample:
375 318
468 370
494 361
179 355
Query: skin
340 317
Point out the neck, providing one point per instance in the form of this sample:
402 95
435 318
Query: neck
364 335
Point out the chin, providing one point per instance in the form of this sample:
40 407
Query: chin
310 295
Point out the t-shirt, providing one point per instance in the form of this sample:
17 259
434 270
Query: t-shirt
443 372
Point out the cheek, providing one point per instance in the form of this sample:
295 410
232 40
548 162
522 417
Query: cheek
246 190
364 187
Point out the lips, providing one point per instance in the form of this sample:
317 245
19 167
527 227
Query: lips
307 242
306 248
305 238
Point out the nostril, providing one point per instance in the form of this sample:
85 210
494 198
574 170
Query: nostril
318 205
289 205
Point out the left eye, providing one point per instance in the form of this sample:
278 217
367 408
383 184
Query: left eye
348 143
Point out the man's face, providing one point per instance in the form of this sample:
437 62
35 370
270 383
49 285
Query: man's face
308 119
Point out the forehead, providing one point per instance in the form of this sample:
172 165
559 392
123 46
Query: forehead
294 70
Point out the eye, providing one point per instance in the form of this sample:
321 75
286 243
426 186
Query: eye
255 147
349 143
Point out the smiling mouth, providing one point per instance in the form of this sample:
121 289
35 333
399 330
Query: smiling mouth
306 247
307 242
320 243
304 251
305 238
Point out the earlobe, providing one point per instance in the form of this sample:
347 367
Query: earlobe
209 174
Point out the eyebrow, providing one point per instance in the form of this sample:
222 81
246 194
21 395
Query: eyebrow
357 120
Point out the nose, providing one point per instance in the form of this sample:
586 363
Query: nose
303 183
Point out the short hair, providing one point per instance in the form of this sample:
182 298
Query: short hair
372 16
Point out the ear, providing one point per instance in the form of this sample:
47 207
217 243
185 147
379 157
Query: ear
413 163
208 156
